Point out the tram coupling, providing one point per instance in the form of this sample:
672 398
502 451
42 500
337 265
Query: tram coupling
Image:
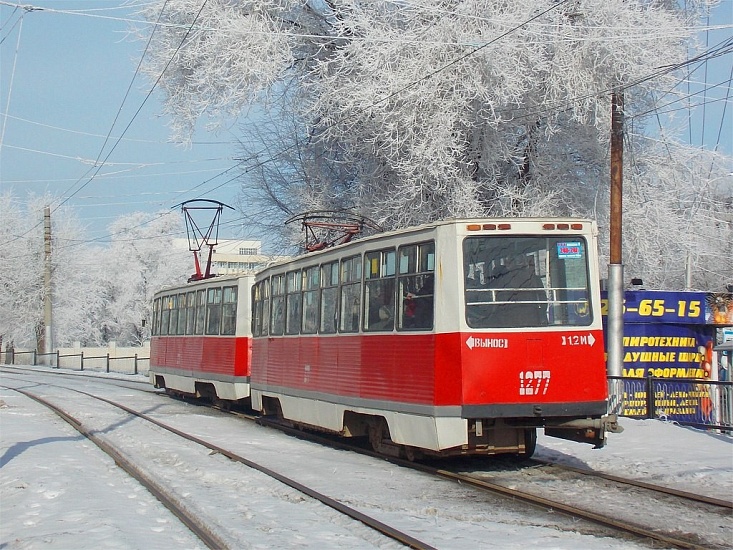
585 430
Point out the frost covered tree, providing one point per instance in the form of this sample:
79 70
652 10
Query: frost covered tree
140 261
77 283
417 110
76 290
678 209
99 294
21 279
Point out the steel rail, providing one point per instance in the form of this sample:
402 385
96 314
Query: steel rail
607 521
198 528
544 503
383 528
641 484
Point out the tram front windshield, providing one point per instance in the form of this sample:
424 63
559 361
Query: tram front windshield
521 281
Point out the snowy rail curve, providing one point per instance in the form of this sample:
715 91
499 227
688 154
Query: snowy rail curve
205 528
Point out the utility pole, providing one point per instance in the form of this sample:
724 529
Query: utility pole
615 323
45 336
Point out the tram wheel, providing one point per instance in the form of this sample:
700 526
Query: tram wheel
530 444
377 433
413 453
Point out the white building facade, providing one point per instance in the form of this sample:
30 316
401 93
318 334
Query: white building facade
232 256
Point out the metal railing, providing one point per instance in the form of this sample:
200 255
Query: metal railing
130 364
688 401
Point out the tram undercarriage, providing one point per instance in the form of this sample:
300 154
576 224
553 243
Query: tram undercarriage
415 436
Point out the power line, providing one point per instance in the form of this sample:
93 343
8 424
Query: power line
135 140
642 36
17 21
688 96
99 165
123 174
725 105
127 92
134 116
12 78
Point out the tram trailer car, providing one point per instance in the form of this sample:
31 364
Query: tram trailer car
202 343
454 338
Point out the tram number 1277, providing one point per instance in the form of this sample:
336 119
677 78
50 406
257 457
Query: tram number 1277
534 382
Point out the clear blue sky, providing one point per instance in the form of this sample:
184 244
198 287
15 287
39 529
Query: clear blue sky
64 72
63 83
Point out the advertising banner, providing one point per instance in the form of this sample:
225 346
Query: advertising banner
670 336
688 308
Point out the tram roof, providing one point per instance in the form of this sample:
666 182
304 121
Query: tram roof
424 227
216 279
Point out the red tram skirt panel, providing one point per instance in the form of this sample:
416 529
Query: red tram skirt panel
222 361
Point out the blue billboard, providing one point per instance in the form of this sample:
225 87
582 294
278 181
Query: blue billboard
671 334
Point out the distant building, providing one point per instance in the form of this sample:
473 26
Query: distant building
232 256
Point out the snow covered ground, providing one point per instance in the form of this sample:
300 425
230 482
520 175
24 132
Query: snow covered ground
56 492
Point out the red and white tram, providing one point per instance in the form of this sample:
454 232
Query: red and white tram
201 343
457 337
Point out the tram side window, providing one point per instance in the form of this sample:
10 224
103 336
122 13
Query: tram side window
200 311
329 297
311 288
181 328
256 309
213 311
165 314
190 312
265 306
155 329
260 316
173 320
350 303
379 290
292 324
277 314
229 311
416 286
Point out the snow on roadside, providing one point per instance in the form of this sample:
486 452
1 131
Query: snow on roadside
55 494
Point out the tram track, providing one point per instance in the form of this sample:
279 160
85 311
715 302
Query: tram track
191 520
487 481
202 529
490 481
686 495
140 385
655 535
693 497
